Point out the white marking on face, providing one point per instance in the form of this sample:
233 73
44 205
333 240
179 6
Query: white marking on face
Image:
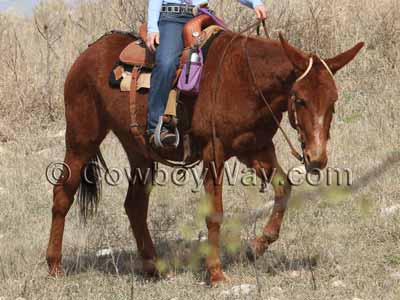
318 139
318 148
320 120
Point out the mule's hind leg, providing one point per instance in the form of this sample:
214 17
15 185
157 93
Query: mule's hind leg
266 165
83 137
136 207
63 196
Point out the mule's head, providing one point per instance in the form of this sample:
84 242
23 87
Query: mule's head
312 100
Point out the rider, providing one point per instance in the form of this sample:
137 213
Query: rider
166 19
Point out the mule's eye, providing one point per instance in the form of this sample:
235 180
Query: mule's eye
299 102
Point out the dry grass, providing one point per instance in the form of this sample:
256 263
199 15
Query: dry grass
340 246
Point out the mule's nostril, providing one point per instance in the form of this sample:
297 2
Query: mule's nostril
314 161
307 158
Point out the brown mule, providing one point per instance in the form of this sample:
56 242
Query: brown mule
244 128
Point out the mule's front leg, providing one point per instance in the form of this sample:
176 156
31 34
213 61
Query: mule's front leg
213 166
265 163
271 230
213 187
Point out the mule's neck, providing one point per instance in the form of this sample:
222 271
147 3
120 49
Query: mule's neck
273 72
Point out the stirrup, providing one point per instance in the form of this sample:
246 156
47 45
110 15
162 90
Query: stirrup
157 135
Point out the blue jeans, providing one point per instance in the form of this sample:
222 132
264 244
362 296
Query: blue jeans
167 60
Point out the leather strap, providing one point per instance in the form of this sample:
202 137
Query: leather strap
134 126
262 22
215 87
296 154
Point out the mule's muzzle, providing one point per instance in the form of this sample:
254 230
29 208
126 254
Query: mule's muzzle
315 160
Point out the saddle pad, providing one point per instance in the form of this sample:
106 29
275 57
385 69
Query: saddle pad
142 83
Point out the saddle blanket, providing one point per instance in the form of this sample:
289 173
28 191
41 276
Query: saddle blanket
143 81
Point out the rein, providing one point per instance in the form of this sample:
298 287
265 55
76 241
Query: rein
257 25
292 109
295 124
296 154
215 90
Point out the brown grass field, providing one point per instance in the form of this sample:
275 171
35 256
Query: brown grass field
334 244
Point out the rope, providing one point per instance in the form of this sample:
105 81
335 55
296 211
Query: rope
217 81
310 64
296 154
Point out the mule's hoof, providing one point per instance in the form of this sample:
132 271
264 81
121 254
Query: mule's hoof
170 277
56 272
149 268
251 256
255 250
218 278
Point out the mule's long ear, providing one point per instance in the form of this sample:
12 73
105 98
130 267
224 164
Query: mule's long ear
298 59
338 62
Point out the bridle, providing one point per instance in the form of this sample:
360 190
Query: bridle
294 152
292 110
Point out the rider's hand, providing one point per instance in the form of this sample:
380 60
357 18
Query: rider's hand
153 38
261 11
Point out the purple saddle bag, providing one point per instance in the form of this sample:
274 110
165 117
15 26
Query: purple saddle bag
189 80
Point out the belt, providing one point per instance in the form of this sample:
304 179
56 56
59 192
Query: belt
177 9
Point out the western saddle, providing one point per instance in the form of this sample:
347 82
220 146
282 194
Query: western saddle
136 53
137 58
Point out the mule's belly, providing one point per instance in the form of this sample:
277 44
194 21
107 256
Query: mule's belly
250 141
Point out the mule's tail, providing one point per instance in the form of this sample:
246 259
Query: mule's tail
89 192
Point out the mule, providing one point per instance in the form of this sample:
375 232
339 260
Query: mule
230 120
